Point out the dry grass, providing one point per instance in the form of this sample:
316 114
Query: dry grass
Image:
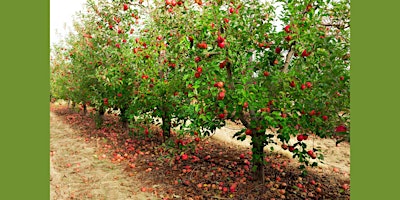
78 172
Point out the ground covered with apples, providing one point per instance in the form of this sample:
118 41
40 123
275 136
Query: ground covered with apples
109 163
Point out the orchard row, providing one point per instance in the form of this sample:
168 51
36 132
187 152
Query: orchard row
196 64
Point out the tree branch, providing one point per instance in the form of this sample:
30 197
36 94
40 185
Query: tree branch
285 68
340 26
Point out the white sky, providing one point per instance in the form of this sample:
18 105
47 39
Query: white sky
61 16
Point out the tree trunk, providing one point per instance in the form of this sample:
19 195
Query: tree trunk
166 123
84 109
258 149
100 117
123 118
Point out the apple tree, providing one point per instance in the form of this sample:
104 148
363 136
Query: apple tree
240 67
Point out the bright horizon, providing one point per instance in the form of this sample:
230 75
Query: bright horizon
61 18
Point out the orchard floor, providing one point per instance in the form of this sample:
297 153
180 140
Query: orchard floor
77 172
107 163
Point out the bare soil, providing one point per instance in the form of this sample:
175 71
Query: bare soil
77 171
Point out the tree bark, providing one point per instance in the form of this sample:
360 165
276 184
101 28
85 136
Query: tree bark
73 104
123 118
289 56
100 117
258 149
166 123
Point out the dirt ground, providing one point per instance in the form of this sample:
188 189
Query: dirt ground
78 172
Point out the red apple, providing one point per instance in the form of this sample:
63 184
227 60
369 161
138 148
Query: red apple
292 84
266 73
221 115
220 39
313 156
305 137
300 138
340 129
248 132
291 148
197 59
312 113
222 64
220 84
232 188
197 74
287 28
324 117
221 45
105 100
341 78
305 53
309 6
221 95
309 84
118 45
184 156
119 95
278 50
173 65
245 105
125 6
202 45
303 87
241 156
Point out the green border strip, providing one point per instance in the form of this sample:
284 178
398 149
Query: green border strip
24 82
375 100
